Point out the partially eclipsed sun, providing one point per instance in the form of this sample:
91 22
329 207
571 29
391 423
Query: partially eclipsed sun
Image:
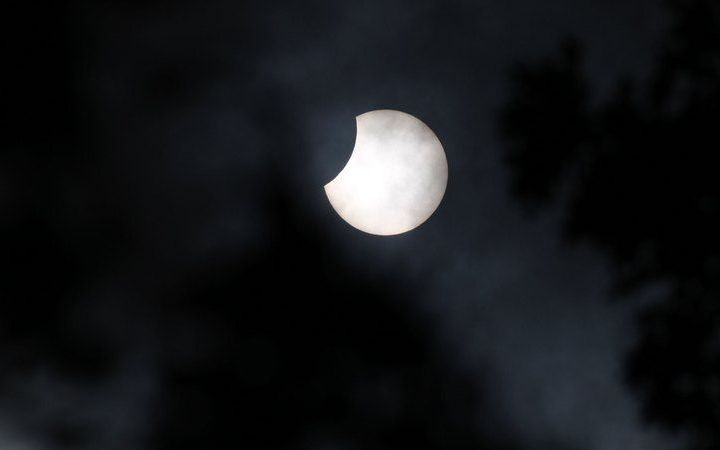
396 175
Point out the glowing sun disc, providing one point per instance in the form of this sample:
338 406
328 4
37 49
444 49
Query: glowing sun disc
395 177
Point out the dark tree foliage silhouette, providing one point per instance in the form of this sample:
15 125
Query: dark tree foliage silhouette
638 178
308 354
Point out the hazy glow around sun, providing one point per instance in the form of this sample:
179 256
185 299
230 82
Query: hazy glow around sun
396 175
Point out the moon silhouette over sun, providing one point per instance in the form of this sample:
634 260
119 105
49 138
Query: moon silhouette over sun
395 177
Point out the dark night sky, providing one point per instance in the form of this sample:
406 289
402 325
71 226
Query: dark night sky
192 112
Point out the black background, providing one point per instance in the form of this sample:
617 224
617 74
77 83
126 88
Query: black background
175 277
